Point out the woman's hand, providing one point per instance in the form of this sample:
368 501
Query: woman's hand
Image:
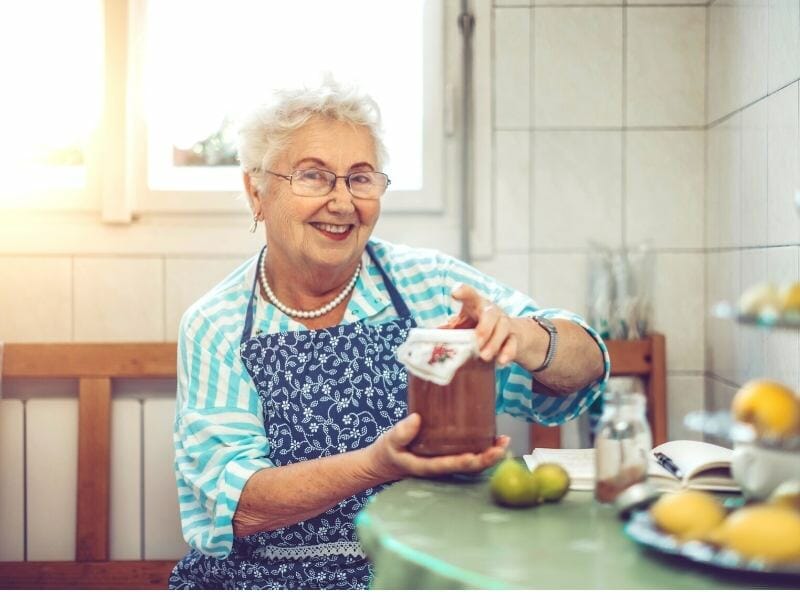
497 333
390 459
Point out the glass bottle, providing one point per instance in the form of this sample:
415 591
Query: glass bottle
622 445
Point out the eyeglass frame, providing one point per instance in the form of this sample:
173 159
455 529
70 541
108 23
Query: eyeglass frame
333 182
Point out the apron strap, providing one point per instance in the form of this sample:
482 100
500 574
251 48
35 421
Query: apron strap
248 319
397 300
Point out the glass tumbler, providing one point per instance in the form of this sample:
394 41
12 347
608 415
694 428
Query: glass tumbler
622 445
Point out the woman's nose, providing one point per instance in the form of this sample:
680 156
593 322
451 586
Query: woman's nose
341 200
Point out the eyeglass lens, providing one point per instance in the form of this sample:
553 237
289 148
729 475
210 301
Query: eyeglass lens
317 182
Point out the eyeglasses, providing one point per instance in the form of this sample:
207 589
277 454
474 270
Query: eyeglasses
368 185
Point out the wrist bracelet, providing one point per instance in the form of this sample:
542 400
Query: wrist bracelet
550 328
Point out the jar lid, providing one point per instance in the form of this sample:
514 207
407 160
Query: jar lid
457 336
639 495
436 354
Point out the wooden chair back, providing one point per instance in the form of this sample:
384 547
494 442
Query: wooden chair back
94 366
645 358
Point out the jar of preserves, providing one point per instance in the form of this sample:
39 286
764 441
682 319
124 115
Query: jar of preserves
622 445
452 389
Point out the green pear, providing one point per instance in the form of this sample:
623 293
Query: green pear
512 485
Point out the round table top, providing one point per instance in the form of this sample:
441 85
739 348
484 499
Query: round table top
448 533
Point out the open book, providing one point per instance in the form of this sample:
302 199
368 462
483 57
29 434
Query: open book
704 466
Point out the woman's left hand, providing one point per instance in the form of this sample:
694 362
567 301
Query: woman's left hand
497 333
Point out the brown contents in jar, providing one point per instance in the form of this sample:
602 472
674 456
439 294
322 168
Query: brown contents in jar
606 490
458 417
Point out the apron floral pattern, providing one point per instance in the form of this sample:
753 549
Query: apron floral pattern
323 392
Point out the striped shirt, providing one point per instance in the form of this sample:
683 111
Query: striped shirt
219 435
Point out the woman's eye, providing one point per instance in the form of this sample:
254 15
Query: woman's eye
361 178
312 176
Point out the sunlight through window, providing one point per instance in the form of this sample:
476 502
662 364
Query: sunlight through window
208 61
51 59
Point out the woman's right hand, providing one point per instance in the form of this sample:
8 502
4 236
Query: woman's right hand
389 458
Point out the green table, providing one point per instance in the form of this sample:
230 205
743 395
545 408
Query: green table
448 534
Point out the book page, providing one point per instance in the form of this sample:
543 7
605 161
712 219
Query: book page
578 463
692 457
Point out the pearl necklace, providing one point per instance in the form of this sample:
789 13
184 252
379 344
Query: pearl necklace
304 314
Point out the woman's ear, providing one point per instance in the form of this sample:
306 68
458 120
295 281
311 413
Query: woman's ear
253 194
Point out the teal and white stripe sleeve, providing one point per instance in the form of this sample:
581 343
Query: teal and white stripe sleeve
219 434
515 395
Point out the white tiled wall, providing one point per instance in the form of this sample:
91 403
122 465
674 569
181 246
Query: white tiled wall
577 73
616 131
617 122
753 144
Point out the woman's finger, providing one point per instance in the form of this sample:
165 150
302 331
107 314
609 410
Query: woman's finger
499 334
459 463
471 301
508 352
405 430
487 321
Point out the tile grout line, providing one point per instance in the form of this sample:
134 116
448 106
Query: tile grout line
493 117
141 477
531 141
624 135
164 298
733 113
602 128
706 58
24 479
72 298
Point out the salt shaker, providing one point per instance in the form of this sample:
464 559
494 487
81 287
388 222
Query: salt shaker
622 445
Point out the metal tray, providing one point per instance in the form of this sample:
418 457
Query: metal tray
641 529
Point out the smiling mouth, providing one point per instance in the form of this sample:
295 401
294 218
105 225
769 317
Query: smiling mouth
336 229
337 233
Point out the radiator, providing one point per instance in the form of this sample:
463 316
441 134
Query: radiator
38 480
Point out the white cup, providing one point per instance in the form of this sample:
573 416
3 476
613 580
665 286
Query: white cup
760 470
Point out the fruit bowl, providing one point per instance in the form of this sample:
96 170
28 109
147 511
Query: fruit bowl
721 425
765 318
759 463
760 469
642 529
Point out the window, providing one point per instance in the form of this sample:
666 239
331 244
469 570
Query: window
51 73
201 63
127 106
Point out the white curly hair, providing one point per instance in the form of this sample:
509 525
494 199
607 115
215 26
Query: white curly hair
265 131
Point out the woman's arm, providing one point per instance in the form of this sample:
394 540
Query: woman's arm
281 496
577 363
578 360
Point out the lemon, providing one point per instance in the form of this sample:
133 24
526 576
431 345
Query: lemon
771 407
790 297
759 298
688 514
763 531
513 485
787 494
553 481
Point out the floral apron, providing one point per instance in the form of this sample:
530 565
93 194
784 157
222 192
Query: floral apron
323 392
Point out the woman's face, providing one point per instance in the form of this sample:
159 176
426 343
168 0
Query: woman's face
296 225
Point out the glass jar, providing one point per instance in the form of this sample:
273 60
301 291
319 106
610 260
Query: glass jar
452 389
457 417
622 445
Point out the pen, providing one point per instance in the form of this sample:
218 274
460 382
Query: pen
666 462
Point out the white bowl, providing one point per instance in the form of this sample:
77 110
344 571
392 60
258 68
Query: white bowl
759 470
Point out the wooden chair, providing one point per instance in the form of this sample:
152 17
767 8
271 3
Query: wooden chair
94 366
645 358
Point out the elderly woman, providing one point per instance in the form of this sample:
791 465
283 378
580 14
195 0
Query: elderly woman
291 408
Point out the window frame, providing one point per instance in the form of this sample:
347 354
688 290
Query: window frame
138 199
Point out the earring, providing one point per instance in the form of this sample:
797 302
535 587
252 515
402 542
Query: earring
254 225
